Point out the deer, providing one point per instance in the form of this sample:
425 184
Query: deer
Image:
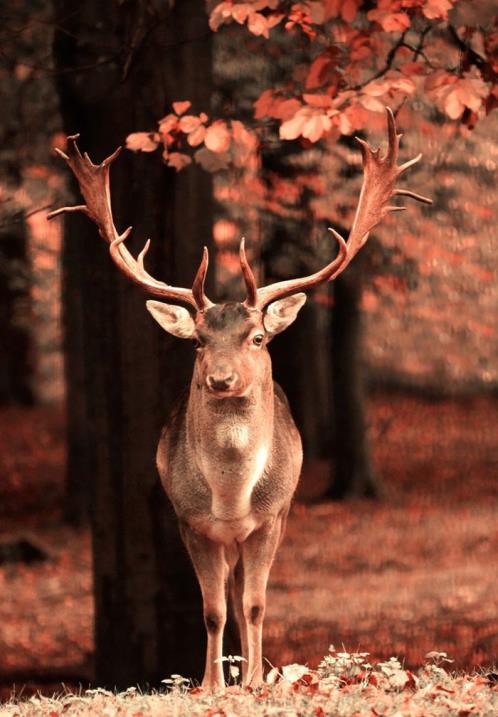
230 456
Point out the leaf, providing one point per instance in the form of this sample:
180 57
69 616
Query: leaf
241 12
285 109
181 107
218 137
263 104
349 10
390 21
178 160
321 101
437 9
211 161
292 128
168 123
371 103
196 136
189 123
220 14
142 141
257 24
316 127
293 673
319 71
272 676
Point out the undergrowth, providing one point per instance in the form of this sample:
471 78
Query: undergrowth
344 685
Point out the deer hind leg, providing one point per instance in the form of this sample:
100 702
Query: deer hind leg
258 552
211 568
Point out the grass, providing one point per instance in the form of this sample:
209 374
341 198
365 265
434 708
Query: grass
344 685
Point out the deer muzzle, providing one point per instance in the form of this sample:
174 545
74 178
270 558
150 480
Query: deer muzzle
222 382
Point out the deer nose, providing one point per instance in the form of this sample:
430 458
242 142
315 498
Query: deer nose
221 382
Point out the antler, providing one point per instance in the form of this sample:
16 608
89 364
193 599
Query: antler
380 175
94 184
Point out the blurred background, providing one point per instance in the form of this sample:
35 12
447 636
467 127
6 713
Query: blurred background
391 372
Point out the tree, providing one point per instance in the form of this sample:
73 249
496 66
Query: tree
353 58
119 66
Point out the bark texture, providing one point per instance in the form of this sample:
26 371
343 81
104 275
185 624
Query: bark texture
353 475
123 374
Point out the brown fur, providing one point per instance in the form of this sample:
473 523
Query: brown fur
230 466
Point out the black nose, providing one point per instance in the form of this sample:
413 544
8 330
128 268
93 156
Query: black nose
221 383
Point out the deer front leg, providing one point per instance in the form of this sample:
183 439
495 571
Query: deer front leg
237 592
210 566
257 554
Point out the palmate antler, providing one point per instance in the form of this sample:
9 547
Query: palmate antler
380 175
94 184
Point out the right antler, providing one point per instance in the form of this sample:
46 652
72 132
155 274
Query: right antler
94 184
380 176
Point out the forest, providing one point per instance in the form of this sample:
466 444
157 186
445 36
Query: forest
256 120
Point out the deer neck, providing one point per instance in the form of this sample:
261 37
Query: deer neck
231 440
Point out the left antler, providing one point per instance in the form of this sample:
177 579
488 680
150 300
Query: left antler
94 184
380 175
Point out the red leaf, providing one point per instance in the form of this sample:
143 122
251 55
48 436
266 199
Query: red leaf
437 9
349 10
189 123
181 107
218 137
319 71
257 24
322 101
316 127
142 141
178 160
168 123
263 104
196 136
292 128
390 21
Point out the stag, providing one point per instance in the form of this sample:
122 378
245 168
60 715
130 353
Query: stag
230 456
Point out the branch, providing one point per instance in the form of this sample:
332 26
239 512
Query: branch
474 57
388 64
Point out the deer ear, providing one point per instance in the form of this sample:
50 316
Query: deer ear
174 319
282 313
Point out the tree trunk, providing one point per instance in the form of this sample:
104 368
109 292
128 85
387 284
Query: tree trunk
148 620
16 350
353 475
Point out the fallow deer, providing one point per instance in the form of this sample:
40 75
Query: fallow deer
230 457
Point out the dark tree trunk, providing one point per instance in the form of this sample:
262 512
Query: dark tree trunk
353 474
148 620
16 350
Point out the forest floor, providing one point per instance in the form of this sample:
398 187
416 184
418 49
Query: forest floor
412 573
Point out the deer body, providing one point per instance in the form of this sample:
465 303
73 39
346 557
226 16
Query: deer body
230 457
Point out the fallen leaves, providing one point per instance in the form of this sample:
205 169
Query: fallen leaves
297 690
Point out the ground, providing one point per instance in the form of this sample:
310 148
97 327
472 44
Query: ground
413 573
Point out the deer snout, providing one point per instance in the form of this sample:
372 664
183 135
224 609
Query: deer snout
222 381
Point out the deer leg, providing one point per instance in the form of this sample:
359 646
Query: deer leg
236 589
211 568
258 552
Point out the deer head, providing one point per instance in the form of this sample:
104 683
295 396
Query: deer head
231 338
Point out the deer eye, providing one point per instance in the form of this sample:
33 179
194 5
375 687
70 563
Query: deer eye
197 343
258 339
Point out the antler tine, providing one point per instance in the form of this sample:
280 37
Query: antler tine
281 289
247 273
93 180
198 286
